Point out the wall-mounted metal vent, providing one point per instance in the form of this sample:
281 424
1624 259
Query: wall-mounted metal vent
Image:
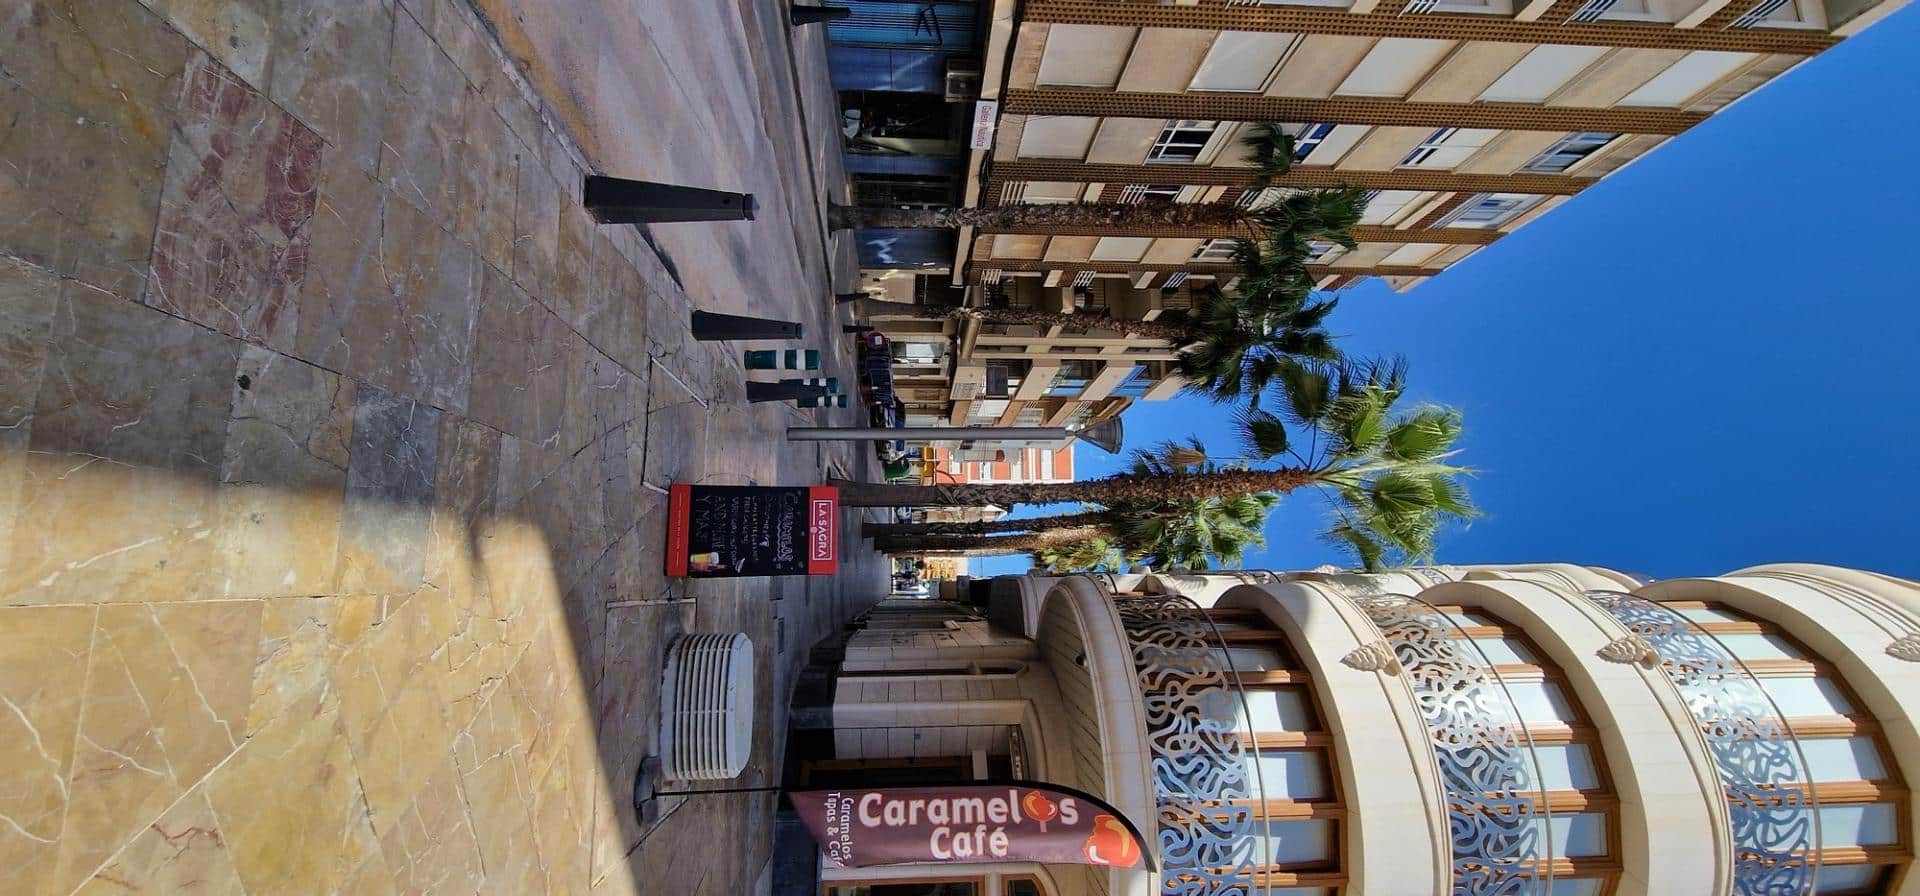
706 708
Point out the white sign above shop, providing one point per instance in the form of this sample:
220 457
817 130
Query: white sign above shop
984 114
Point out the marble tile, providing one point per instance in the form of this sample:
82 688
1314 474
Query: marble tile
676 431
283 474
329 67
557 492
299 758
389 493
491 758
234 31
127 433
182 851
466 488
422 140
536 226
166 700
78 194
617 314
628 701
28 294
483 184
116 62
302 643
42 677
519 366
390 296
242 177
430 847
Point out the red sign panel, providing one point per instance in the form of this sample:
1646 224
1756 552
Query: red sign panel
1017 822
733 530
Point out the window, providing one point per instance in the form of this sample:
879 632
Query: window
1448 147
1489 210
1323 250
1758 646
1072 378
1287 774
1259 199
1539 701
1216 250
1150 193
1568 152
1276 709
1309 138
1136 384
1868 824
1182 141
1248 659
1299 844
1805 696
1566 766
1043 192
1576 834
1849 879
1501 651
1842 759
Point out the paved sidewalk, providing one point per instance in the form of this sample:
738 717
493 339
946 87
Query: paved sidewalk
333 435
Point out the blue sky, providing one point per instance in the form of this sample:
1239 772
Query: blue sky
1709 360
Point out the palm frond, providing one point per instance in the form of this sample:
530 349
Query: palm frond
1270 149
1263 433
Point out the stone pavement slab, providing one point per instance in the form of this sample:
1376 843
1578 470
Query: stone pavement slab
334 435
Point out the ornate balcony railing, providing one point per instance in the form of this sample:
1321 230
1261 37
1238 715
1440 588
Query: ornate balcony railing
1771 804
1193 706
1485 758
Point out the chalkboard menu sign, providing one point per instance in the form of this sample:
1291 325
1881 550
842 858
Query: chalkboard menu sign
717 531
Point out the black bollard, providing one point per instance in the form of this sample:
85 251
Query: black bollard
783 391
614 200
808 15
844 297
710 327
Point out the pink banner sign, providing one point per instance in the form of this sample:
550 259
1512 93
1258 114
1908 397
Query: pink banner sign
1015 822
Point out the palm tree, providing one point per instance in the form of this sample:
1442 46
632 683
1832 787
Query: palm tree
1096 554
986 546
1386 472
1191 533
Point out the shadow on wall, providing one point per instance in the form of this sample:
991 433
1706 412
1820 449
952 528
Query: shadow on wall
374 679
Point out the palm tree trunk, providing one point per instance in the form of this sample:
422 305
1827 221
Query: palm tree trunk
1036 524
1004 544
1172 333
1197 216
1158 488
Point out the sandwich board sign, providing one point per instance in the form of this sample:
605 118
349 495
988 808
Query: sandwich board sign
722 531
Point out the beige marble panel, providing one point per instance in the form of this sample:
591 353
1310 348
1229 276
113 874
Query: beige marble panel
300 758
42 677
1468 72
328 67
283 472
1383 148
1507 152
1125 141
166 701
1319 64
1612 78
1164 60
182 851
1070 248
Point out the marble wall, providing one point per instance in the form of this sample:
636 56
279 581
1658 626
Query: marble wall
333 437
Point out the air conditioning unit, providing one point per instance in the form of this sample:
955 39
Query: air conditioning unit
963 80
706 708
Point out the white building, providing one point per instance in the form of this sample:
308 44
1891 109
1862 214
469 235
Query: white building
1546 729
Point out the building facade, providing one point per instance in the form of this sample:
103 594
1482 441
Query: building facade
1533 729
1466 119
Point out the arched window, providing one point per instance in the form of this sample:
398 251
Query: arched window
1573 800
1298 835
1845 763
